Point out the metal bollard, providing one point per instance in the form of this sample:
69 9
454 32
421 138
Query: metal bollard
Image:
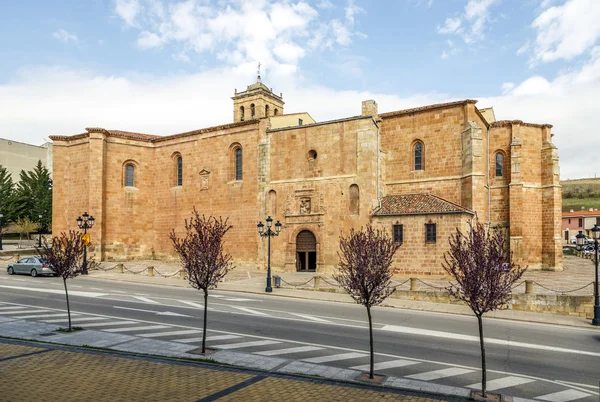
119 268
529 287
317 281
150 271
182 274
277 281
413 284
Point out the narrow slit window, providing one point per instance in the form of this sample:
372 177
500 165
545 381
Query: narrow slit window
418 156
499 165
179 171
129 176
430 233
238 164
398 233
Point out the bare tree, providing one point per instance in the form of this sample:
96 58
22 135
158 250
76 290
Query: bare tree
64 255
25 226
201 254
484 274
365 258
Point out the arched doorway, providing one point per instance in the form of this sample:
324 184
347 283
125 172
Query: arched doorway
306 252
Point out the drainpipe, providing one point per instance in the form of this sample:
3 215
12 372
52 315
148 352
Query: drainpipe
487 175
378 166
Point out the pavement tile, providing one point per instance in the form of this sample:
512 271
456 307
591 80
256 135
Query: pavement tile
10 350
90 338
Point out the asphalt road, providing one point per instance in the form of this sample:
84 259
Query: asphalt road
529 360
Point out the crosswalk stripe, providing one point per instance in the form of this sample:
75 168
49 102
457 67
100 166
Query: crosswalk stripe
23 311
78 319
249 310
310 317
245 344
44 315
145 299
131 329
111 324
386 365
189 303
434 375
563 396
505 382
333 358
208 338
167 333
11 308
288 350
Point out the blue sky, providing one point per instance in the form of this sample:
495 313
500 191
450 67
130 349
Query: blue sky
165 66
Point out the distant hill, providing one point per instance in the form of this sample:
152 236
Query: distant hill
580 194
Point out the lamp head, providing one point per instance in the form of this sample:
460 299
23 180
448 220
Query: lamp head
261 227
580 239
91 221
596 232
278 227
79 222
269 222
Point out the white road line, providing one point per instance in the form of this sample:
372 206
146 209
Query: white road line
578 384
563 396
470 338
333 358
245 344
189 303
23 311
44 315
167 333
288 351
386 365
238 299
11 308
96 289
111 323
505 382
145 299
118 291
218 296
443 373
208 338
310 317
78 319
56 291
131 329
249 310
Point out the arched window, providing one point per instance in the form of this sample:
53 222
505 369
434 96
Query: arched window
242 111
275 112
129 175
238 163
266 110
252 111
354 205
179 171
272 203
418 156
499 164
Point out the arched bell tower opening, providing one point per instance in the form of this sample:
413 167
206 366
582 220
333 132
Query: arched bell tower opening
256 102
306 252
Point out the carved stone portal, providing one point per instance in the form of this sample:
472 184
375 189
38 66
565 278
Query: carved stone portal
305 206
304 200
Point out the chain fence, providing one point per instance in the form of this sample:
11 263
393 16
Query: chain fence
517 285
7 259
433 286
296 284
335 285
168 275
562 292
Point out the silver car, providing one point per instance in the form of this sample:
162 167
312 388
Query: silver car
33 266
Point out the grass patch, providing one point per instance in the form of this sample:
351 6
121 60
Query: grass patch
575 204
73 329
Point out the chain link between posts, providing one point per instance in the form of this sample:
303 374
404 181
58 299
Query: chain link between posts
433 286
296 284
562 292
7 259
335 285
168 275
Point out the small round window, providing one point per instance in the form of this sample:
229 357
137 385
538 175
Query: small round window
312 154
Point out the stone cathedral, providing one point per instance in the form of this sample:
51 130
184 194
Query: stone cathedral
417 173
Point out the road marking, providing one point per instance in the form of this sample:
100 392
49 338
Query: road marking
146 300
578 384
505 382
249 310
56 291
23 311
245 344
96 289
24 317
386 365
333 358
239 299
189 303
130 329
167 333
563 396
208 338
288 351
118 291
310 317
11 308
78 319
218 296
111 323
443 373
470 338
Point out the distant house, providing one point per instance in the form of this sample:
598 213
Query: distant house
574 221
16 156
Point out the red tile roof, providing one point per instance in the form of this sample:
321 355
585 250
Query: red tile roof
422 203
428 107
580 213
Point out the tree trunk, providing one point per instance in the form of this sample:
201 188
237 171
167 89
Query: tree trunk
483 370
370 342
68 307
204 324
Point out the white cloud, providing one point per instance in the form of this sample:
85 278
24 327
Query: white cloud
523 49
65 36
471 24
351 10
325 5
566 31
148 40
128 10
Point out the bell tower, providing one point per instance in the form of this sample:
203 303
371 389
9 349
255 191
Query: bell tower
256 102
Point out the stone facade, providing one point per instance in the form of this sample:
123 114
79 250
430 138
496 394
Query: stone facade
320 180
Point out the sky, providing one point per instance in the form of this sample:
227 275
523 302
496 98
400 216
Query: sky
168 66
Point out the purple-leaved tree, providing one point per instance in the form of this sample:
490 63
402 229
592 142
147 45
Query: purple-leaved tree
64 255
201 254
484 274
364 270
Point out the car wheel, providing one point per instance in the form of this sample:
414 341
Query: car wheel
34 273
10 270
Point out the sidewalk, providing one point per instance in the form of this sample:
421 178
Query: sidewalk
130 371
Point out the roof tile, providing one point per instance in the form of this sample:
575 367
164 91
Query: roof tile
422 203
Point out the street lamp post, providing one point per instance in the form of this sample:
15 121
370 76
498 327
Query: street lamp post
580 241
40 231
1 216
268 234
85 222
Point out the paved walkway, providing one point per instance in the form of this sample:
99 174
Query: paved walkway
45 372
